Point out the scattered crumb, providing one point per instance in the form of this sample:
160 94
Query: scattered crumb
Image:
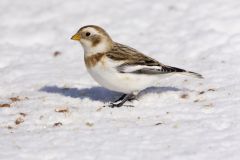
167 112
26 98
138 117
185 80
99 109
4 105
23 114
158 123
41 117
19 120
57 124
62 109
9 127
202 92
195 101
57 53
15 99
208 105
184 95
89 124
211 89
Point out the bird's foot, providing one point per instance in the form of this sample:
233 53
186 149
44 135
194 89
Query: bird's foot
117 105
120 102
127 97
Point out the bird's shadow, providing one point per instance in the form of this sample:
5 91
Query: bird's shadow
99 93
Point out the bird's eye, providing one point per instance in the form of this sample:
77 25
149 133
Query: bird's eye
88 34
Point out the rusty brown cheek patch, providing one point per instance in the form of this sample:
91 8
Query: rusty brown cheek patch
95 41
91 61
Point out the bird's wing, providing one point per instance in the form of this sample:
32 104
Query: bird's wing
130 56
144 69
135 62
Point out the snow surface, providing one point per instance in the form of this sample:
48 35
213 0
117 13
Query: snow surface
50 108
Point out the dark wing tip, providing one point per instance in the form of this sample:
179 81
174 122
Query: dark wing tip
169 69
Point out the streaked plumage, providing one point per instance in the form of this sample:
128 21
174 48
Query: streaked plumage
119 67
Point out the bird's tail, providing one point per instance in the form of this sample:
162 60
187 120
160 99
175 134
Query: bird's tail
193 74
182 71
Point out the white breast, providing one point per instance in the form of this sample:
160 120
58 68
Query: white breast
105 74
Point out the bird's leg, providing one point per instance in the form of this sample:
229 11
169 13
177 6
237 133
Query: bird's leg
121 102
133 97
121 98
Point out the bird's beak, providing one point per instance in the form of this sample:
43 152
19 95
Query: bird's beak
76 37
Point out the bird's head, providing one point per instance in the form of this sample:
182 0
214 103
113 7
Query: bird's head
93 39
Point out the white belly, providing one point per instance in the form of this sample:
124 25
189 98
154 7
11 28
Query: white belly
107 76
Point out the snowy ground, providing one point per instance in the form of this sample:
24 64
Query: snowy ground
50 108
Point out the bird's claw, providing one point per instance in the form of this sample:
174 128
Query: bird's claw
117 105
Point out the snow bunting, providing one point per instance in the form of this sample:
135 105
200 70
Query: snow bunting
118 67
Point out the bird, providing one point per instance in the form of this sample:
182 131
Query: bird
121 68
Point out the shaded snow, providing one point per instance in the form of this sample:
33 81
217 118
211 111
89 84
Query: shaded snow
182 119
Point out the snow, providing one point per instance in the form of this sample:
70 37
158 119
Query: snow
50 108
